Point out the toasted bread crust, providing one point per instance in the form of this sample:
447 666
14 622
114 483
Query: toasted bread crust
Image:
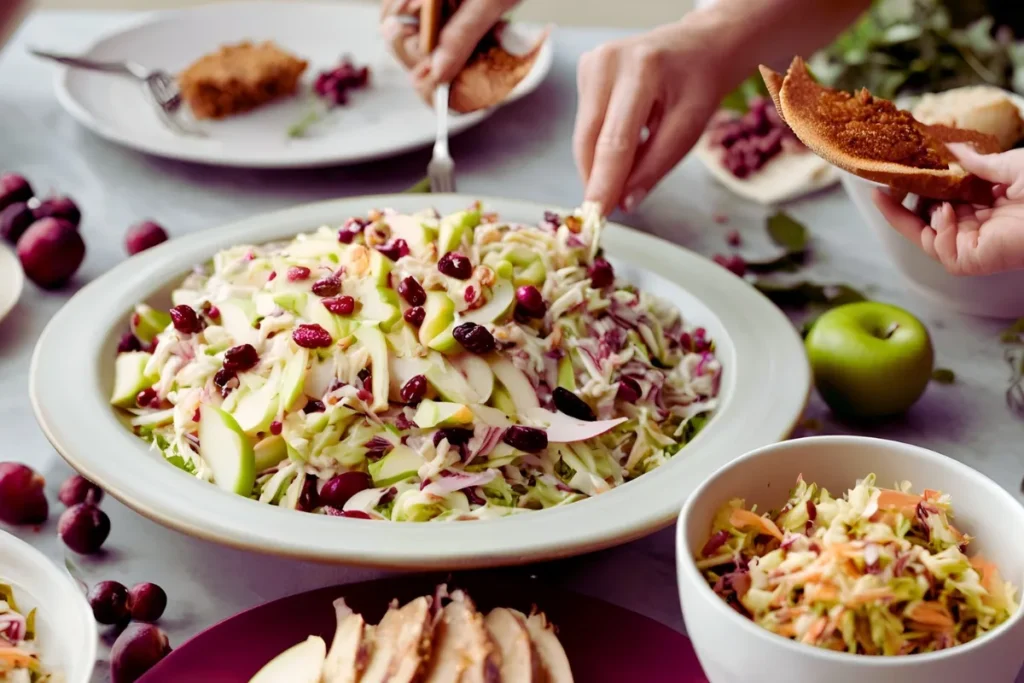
873 139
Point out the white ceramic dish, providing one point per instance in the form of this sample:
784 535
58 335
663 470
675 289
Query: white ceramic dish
732 648
384 120
995 296
12 280
764 389
64 622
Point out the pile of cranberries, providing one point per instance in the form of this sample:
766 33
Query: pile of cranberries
752 140
83 527
333 85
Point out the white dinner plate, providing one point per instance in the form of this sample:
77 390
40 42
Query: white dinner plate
764 388
386 119
11 280
65 627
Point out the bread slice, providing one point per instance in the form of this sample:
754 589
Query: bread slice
875 140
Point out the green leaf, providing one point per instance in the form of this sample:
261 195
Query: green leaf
739 99
943 376
787 232
421 186
302 126
802 294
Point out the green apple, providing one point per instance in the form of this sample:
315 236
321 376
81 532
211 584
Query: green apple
432 414
374 342
157 419
869 359
316 313
402 370
502 400
302 663
439 314
238 317
226 449
448 381
257 408
293 378
379 304
566 374
403 342
478 374
416 234
188 297
533 274
503 295
269 451
294 302
147 322
130 378
522 393
446 342
380 268
398 465
453 228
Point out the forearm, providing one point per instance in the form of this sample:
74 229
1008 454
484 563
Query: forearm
744 33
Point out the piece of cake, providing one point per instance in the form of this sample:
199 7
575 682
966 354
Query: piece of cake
238 78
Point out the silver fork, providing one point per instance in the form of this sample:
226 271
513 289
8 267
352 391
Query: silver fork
441 169
160 88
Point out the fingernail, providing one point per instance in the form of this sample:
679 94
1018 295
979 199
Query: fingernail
633 200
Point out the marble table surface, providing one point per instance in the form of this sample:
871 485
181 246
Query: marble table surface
524 152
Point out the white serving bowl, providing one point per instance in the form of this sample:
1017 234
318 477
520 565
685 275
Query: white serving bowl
732 649
996 296
64 622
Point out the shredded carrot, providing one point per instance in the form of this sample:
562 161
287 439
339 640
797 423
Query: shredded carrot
904 502
741 519
990 579
786 630
814 632
931 495
821 591
869 595
931 614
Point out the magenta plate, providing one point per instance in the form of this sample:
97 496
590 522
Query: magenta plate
605 643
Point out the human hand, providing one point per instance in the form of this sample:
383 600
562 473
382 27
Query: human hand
663 81
969 239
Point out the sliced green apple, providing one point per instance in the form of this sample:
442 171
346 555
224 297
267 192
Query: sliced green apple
374 342
147 322
257 409
157 419
294 302
293 378
492 417
502 400
404 369
522 393
379 304
403 342
380 268
439 314
452 229
130 378
432 414
316 313
302 663
533 274
238 317
398 465
226 449
478 374
503 295
270 451
446 342
566 374
418 236
187 297
448 381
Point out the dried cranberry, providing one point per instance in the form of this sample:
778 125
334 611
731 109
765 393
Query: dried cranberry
414 390
412 291
272 276
552 217
474 338
469 295
453 264
146 398
213 313
337 491
415 315
572 405
733 239
528 439
312 336
129 342
529 302
143 236
327 286
629 389
364 375
341 305
222 377
275 427
297 273
185 319
601 274
314 406
309 499
717 540
733 263
241 358
351 230
394 250
355 514
456 436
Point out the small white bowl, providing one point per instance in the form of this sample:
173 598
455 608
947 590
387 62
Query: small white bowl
732 649
994 296
66 630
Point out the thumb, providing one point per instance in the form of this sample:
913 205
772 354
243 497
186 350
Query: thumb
462 33
1006 168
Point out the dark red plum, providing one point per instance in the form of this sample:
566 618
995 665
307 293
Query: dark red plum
147 602
77 489
59 207
14 188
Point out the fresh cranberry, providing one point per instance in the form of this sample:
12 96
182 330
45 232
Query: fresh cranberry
601 274
572 405
213 313
629 390
50 251
314 406
412 291
137 650
686 341
528 439
469 295
474 338
84 528
415 315
129 342
394 250
241 358
529 302
341 487
414 390
453 264
146 398
342 305
552 217
297 273
272 276
147 602
109 602
15 219
185 319
309 499
312 336
14 188
59 207
143 236
77 489
328 286
717 540
22 500
456 436
733 263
